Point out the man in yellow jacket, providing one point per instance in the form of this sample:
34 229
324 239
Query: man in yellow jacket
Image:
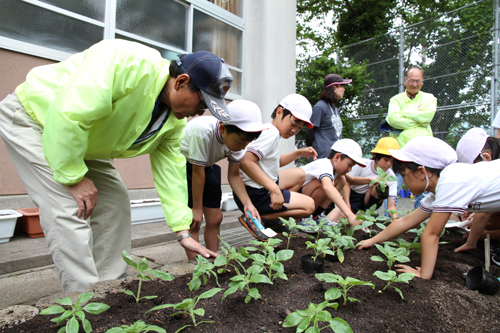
410 113
67 121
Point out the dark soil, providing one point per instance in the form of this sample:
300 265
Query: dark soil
442 304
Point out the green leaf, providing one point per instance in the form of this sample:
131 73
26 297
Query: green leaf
327 277
209 293
386 276
324 316
199 312
284 255
159 307
194 284
96 308
65 301
55 309
399 291
293 319
229 292
72 325
128 259
352 299
128 292
220 261
254 293
148 297
164 275
143 264
86 326
339 325
333 293
377 258
260 278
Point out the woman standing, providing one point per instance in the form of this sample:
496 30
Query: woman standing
326 116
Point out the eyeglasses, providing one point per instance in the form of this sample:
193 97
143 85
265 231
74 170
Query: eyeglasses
203 104
415 81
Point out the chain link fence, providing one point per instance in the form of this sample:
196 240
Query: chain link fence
459 56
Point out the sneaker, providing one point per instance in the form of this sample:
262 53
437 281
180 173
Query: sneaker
322 217
278 226
309 223
248 224
496 259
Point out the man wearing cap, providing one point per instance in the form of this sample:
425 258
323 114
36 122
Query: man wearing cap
326 116
411 113
67 121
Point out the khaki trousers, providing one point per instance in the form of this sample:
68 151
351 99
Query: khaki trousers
84 251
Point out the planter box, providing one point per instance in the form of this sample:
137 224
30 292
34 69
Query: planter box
146 211
228 203
8 219
31 222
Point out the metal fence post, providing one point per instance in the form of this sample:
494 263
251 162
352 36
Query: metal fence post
494 79
402 58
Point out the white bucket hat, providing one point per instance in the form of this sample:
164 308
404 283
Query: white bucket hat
471 145
300 108
350 148
426 151
245 115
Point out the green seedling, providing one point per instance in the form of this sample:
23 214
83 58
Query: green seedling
270 261
313 315
231 254
392 254
292 225
339 242
382 179
345 284
420 231
370 218
138 327
408 246
346 228
320 246
203 269
76 312
143 270
188 307
392 277
242 282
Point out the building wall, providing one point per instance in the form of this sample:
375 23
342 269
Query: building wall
269 75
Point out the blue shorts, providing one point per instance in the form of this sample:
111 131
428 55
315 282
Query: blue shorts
261 199
212 193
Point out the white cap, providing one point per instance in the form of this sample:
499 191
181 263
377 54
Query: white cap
471 145
299 106
426 151
350 148
245 115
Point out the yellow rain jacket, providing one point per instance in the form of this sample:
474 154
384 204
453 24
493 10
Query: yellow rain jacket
413 116
95 104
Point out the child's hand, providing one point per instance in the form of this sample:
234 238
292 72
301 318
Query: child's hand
277 199
352 220
255 213
408 269
365 244
197 218
309 152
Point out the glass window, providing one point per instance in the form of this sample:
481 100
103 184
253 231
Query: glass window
232 6
94 9
236 86
210 34
28 23
159 20
166 54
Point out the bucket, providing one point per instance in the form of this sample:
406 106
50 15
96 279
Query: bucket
308 265
481 280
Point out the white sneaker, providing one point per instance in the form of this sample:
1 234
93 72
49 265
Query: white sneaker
309 223
329 223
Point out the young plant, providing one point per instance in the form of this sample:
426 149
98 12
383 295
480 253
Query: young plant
138 327
143 270
242 282
346 228
320 246
76 312
292 225
382 179
270 261
313 315
408 246
345 284
392 277
188 307
392 254
203 269
370 217
339 242
231 254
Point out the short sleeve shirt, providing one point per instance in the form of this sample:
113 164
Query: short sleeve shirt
466 187
370 171
318 169
327 127
267 149
203 144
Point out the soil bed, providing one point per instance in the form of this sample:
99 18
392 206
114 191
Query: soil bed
442 304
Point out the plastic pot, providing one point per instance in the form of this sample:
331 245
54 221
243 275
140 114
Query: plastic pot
483 281
402 193
373 233
308 265
31 222
330 258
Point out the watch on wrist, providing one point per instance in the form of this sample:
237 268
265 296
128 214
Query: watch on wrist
181 237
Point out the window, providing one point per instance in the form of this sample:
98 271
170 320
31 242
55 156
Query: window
55 29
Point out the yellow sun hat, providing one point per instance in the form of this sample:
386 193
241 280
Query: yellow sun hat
384 144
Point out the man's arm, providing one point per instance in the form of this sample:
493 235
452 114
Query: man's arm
396 117
424 116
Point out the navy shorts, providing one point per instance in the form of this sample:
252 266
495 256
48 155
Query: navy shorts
261 199
212 193
357 201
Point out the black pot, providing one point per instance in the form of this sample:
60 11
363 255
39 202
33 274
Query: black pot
308 265
373 233
330 258
481 280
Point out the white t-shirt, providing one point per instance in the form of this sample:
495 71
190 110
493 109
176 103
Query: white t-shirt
318 169
370 171
496 122
462 186
203 145
267 149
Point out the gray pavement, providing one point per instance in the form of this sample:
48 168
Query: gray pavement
27 273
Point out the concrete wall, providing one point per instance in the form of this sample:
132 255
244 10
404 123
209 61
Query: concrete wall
269 75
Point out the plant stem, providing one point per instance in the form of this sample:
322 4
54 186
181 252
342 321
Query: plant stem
139 291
